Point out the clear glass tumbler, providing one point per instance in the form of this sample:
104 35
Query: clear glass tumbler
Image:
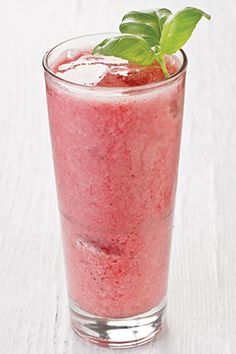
116 154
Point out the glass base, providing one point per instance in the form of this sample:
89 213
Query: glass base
118 332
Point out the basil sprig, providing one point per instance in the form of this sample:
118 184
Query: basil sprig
149 35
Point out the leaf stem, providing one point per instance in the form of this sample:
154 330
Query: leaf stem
161 59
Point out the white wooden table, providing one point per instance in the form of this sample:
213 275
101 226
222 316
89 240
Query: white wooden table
202 290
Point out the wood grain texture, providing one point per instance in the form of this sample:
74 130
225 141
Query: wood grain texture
202 290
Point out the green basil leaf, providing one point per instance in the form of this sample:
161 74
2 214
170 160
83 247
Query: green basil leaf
132 48
142 30
162 16
179 28
146 24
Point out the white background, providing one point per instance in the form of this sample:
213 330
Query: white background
202 290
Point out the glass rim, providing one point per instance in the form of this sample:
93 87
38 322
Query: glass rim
107 89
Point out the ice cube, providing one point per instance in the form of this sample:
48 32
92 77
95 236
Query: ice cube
89 69
67 66
96 59
91 60
84 74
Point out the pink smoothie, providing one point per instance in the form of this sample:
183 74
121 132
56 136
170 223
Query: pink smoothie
116 161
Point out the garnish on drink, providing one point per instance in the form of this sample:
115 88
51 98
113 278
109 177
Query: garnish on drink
147 36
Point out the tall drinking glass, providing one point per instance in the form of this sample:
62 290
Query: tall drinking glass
116 154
